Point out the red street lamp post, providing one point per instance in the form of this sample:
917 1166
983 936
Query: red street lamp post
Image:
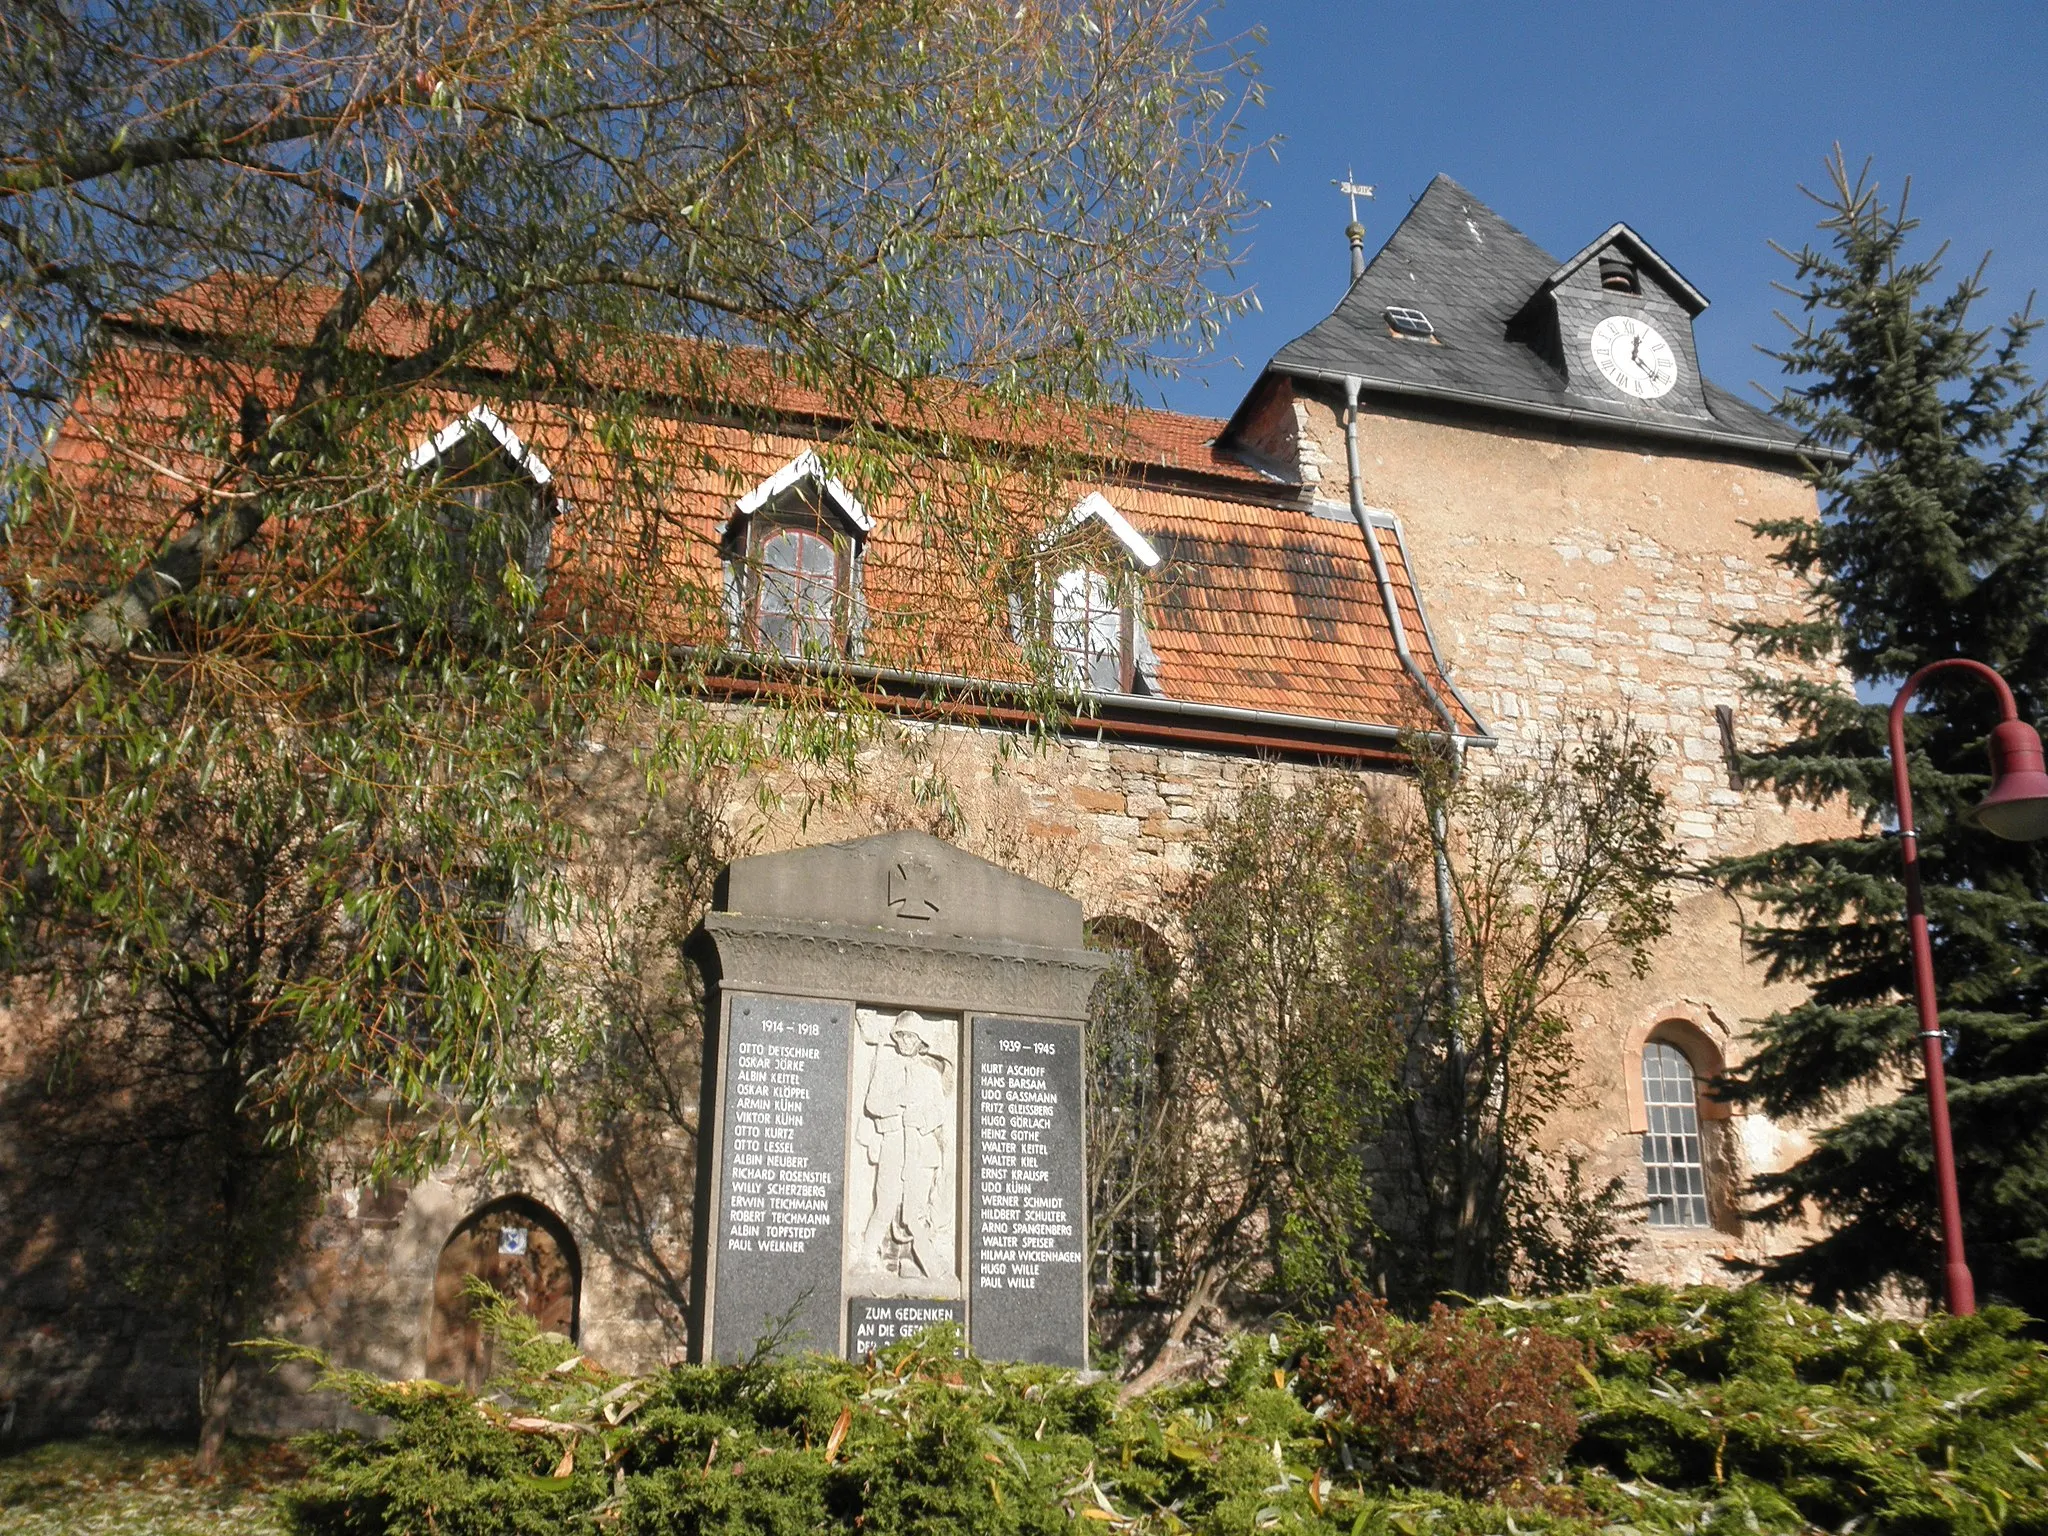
2016 809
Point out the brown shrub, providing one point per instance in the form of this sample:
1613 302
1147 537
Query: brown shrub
1455 1403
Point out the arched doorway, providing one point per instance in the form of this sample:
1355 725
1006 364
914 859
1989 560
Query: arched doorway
521 1250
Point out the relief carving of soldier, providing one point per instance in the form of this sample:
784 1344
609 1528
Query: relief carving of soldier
905 1131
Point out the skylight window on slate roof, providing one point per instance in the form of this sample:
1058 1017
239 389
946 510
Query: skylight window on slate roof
1411 324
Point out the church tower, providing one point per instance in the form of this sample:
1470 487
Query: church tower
1575 501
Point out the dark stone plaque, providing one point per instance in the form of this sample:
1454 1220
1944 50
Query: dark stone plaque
1028 1253
782 1174
874 1322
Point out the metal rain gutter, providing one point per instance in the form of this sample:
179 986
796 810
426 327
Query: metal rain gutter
1142 704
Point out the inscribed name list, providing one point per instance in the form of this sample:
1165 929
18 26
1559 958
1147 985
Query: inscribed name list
1028 1265
782 1174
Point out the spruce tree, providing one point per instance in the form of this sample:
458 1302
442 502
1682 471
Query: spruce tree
1929 542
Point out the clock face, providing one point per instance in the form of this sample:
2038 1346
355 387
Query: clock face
1634 356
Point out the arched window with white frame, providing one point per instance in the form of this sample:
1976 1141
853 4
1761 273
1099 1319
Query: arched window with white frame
495 505
792 554
1674 1161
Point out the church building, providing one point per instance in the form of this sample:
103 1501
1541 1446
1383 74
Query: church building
1489 492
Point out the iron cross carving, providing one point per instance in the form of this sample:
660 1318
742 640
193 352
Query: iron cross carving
913 891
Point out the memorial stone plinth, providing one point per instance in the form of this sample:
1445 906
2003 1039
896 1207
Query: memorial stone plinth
895 1092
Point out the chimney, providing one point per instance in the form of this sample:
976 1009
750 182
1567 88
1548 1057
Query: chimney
1355 232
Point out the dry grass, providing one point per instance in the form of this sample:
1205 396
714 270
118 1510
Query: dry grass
140 1488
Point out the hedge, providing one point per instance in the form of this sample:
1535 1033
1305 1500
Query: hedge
1700 1413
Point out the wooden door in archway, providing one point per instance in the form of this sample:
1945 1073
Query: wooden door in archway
524 1253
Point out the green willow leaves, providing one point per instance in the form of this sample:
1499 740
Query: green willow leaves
303 694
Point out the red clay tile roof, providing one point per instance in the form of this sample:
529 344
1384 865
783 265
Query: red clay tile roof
1256 606
744 377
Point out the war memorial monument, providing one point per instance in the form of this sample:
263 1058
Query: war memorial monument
895 1085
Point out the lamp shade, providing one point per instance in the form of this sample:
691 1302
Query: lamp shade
2017 807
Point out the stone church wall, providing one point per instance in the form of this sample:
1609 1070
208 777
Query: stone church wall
1112 824
1571 577
1560 578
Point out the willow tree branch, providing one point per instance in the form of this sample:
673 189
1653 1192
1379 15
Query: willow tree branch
113 624
174 149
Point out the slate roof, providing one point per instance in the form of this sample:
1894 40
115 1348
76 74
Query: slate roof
1472 273
1259 606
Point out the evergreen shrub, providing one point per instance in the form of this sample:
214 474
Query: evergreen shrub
1459 1403
1804 1418
1700 1413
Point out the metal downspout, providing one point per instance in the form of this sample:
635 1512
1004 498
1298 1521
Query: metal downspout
1439 831
1381 575
1447 934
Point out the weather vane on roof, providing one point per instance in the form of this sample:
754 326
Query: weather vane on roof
1353 190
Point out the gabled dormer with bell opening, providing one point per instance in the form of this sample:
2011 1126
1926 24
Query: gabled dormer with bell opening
1616 322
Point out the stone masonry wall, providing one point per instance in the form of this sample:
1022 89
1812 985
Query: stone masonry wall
1563 578
1111 824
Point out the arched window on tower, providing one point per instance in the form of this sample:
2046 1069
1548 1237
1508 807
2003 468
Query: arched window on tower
1674 1160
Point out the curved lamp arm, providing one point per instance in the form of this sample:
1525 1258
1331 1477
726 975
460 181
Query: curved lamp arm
1961 1288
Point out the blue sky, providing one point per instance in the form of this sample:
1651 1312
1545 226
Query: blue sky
1695 123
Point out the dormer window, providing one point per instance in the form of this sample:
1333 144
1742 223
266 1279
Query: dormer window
1092 631
1618 275
1093 602
1409 324
792 555
800 585
496 505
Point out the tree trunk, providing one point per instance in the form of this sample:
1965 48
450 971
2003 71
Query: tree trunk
234 1191
1466 1246
217 1391
1172 1356
1480 1218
